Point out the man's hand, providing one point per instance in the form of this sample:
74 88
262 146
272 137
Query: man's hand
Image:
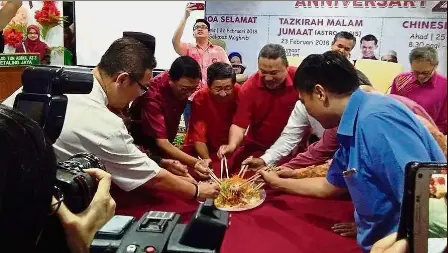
208 191
389 244
174 167
225 150
188 10
81 228
202 168
254 163
189 179
270 177
286 172
345 229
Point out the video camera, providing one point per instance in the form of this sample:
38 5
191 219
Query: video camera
160 232
43 96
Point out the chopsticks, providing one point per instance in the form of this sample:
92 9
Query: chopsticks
212 174
255 177
224 165
243 169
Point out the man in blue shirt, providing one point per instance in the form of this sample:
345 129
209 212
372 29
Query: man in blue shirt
378 136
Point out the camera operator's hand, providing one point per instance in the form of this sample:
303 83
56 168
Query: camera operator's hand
389 244
80 228
208 191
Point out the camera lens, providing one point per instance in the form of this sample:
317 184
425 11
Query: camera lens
420 175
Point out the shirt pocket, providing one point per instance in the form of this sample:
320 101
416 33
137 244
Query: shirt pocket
364 197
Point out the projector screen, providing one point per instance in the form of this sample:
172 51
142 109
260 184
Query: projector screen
99 23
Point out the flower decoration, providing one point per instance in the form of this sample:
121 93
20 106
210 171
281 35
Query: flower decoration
48 17
12 36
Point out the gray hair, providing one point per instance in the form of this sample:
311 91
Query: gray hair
428 54
273 52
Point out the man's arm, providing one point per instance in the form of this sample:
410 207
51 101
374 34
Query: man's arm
317 153
332 185
167 182
177 44
175 153
202 150
236 135
8 11
318 187
291 135
241 120
441 121
393 87
130 168
197 130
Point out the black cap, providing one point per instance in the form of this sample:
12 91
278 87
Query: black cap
148 40
201 20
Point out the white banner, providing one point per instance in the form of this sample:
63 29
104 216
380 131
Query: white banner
307 27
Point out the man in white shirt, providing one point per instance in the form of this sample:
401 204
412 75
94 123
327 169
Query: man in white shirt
123 74
292 134
299 121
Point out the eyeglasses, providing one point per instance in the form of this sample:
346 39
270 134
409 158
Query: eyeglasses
142 87
185 90
423 73
200 27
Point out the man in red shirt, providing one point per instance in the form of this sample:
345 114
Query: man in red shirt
212 111
156 114
265 103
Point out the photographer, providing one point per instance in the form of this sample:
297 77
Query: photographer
27 178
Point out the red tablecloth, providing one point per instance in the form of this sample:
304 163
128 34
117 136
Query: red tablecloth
283 224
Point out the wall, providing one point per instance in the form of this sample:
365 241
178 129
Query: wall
98 24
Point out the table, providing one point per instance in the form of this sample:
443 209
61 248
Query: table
283 224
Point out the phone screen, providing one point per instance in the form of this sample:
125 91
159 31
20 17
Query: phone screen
197 6
437 212
430 215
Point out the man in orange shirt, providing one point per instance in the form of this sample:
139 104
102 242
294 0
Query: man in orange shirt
212 111
266 100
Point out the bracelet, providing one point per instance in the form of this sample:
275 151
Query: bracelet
196 193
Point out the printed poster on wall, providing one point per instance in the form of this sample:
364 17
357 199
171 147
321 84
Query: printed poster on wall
307 27
36 29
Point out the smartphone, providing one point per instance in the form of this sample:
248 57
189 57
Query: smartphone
116 227
239 68
197 6
423 219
